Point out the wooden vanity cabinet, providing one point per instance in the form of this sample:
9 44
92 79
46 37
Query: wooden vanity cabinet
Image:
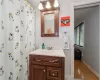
46 67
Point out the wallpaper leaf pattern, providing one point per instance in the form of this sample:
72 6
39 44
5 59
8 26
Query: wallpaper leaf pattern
16 38
1 71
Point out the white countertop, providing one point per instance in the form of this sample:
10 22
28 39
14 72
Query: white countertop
57 53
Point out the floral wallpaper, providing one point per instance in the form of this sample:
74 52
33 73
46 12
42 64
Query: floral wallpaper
17 28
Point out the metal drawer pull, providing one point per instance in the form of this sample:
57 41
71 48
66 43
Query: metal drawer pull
38 60
53 61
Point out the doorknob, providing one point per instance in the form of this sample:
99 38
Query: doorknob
53 74
44 70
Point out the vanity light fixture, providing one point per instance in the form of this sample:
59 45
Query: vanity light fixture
48 5
40 7
56 4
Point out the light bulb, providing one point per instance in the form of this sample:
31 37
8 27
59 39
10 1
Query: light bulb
48 6
40 6
56 4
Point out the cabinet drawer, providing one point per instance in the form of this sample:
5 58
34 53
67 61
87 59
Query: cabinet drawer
46 60
53 73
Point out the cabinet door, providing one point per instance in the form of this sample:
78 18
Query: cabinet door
54 73
38 72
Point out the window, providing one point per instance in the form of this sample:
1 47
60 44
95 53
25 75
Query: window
79 34
82 35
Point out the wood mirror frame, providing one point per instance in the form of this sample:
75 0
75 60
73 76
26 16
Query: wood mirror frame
56 23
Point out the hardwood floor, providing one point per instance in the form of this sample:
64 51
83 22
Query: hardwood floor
81 71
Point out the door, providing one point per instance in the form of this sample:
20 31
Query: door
38 72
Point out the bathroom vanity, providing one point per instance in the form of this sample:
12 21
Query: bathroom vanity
46 65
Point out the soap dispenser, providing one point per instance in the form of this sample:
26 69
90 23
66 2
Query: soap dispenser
43 46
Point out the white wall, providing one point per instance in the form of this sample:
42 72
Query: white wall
66 9
91 46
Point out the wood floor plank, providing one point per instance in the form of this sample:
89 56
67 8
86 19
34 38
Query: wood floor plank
81 71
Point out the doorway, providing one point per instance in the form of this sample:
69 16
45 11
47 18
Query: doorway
86 48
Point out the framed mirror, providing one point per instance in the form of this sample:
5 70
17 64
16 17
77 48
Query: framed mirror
50 23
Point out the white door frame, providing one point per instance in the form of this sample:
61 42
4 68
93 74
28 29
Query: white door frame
82 4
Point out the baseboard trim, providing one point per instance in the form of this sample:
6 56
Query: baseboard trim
68 77
91 69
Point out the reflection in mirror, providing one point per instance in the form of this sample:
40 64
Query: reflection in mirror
49 27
